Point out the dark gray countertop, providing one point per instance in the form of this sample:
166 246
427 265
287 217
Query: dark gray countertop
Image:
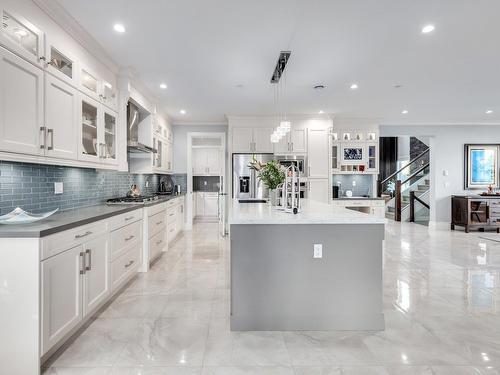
69 219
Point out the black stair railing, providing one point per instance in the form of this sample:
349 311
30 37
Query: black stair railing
413 199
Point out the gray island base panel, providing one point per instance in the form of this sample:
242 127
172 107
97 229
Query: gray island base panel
276 284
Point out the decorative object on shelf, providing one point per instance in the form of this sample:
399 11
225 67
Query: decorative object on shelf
353 153
481 166
19 216
272 174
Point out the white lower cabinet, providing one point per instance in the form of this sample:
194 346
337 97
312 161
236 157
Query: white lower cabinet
96 276
206 204
62 295
319 189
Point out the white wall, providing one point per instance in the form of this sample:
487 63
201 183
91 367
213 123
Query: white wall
180 142
447 153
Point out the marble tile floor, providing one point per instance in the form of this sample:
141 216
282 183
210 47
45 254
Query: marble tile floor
442 309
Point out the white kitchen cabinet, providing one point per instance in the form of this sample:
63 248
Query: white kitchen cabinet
21 105
318 155
200 203
97 277
180 215
372 157
242 140
295 142
319 189
109 138
59 62
62 295
210 204
262 140
89 83
61 115
22 37
206 161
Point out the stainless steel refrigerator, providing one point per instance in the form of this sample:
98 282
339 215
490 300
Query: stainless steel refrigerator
246 185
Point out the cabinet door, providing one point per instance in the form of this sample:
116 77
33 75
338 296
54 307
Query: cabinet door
200 204
318 158
283 146
21 36
109 95
319 190
89 83
242 140
372 159
96 286
61 118
180 215
213 161
262 140
59 63
89 116
61 295
298 140
21 105
168 156
211 204
109 140
199 159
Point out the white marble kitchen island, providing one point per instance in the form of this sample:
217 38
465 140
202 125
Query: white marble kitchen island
278 284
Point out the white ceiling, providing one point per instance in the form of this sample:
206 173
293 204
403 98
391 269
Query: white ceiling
204 49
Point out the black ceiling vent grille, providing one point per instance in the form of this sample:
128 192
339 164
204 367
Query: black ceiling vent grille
280 66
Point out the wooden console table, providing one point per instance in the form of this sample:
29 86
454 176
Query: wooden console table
475 212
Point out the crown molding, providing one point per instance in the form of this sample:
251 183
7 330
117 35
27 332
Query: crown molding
199 123
69 24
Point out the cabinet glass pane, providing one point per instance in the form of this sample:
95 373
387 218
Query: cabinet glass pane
89 81
19 34
89 129
372 158
159 154
110 135
61 62
109 93
335 157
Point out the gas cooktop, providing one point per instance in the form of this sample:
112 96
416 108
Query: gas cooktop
141 199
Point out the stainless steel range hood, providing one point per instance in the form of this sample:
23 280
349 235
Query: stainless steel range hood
134 142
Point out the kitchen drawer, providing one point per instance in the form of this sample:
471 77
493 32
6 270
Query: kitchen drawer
124 219
68 239
124 266
156 223
155 209
122 238
156 245
171 231
171 215
172 202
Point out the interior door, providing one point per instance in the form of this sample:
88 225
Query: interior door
61 295
96 286
61 118
21 105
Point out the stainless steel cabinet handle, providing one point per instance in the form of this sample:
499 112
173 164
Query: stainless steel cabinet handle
83 235
292 145
159 222
129 264
128 218
42 58
89 266
43 129
51 132
129 238
82 262
159 242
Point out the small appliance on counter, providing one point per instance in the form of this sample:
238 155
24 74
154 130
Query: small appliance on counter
177 189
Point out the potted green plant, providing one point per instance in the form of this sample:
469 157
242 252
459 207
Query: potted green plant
271 174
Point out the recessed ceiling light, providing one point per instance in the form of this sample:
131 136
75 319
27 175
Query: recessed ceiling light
119 28
321 112
428 29
182 111
404 111
163 86
354 86
489 112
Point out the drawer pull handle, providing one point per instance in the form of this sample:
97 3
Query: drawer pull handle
129 264
89 266
129 238
159 242
82 262
83 235
171 214
129 218
160 222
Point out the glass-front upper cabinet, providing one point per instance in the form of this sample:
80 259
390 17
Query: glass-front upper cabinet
335 157
89 83
109 95
22 37
90 144
59 63
372 157
109 145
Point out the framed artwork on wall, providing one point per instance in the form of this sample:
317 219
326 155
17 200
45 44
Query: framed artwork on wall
481 166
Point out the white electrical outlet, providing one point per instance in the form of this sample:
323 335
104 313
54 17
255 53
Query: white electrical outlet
205 183
318 250
58 188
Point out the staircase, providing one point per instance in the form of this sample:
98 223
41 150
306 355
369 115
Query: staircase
406 191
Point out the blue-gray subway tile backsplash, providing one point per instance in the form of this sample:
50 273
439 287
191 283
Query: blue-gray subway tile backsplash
31 186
